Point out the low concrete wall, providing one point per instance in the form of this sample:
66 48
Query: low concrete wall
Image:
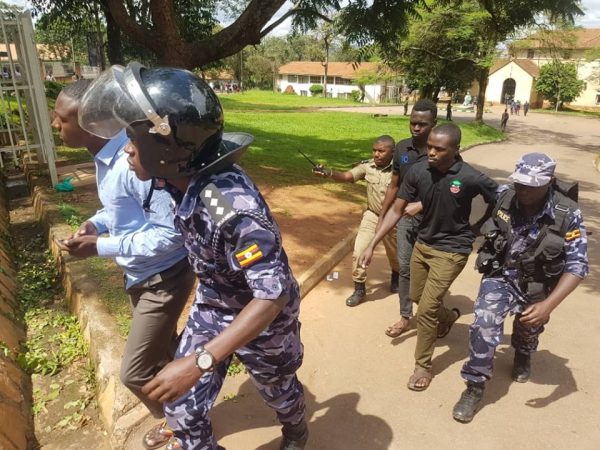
16 420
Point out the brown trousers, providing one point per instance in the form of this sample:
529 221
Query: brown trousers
157 304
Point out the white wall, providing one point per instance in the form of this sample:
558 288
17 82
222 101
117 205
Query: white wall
372 92
524 83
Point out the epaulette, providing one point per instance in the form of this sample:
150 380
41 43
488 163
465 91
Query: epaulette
219 208
364 161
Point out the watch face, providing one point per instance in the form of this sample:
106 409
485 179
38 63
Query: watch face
205 361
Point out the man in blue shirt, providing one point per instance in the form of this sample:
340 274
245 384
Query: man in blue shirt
247 300
140 235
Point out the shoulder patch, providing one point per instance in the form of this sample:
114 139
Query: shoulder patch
572 235
249 255
219 208
364 161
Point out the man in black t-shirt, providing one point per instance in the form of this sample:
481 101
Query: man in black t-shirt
408 151
446 186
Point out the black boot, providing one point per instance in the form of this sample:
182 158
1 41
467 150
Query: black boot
394 282
358 295
521 367
294 437
465 408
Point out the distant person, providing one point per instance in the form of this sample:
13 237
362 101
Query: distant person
517 107
377 172
449 110
406 105
446 186
504 120
533 257
134 227
409 151
525 108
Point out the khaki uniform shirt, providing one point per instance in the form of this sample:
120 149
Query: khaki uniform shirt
377 178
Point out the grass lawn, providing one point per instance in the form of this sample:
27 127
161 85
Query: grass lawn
275 101
335 139
574 112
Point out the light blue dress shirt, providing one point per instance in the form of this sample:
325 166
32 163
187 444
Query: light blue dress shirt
142 243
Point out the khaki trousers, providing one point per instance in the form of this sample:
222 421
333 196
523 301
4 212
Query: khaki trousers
432 272
366 231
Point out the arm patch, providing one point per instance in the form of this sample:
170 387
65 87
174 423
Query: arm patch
249 255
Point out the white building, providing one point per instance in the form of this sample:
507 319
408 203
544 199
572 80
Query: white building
299 76
516 76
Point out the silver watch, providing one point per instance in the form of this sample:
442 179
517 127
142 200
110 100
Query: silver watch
204 359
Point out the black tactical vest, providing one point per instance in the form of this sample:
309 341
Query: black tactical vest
541 265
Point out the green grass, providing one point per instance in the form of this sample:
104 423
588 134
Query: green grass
335 139
570 111
73 155
275 101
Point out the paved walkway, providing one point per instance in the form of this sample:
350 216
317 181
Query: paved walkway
355 376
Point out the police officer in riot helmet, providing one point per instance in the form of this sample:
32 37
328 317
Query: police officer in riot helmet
247 301
534 255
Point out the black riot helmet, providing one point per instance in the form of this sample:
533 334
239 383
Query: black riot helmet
173 118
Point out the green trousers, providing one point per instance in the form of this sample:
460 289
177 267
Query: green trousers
432 272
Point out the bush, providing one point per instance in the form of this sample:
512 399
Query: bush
316 89
53 88
355 96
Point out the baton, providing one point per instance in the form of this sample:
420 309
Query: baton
309 160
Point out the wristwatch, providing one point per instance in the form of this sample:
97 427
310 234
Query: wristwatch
205 361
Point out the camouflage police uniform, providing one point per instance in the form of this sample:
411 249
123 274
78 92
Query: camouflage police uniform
378 179
235 249
501 294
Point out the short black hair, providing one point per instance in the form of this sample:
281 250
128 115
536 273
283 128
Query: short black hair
386 139
77 89
449 129
426 105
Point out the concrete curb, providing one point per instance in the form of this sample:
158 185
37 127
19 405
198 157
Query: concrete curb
319 269
119 409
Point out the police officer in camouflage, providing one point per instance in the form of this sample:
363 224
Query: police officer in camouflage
247 300
534 255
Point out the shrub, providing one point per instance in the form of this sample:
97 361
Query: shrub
355 96
53 88
316 89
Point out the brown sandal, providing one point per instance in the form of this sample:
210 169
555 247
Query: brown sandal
400 327
419 375
157 436
444 328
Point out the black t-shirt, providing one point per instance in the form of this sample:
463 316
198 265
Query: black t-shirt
405 155
446 202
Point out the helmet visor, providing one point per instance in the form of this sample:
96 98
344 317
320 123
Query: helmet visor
107 106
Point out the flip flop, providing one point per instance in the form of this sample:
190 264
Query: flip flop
394 331
418 375
157 436
444 328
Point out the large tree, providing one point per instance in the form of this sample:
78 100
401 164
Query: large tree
179 32
558 83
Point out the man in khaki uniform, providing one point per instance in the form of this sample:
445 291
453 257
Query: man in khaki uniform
377 172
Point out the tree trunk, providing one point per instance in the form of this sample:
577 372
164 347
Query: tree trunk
114 45
483 82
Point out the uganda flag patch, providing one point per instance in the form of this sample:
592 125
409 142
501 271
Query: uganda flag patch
572 235
249 255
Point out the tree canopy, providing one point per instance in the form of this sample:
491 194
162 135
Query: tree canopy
558 82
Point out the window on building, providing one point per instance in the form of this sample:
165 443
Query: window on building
304 93
280 77
316 79
339 80
530 53
330 80
292 78
303 79
597 98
